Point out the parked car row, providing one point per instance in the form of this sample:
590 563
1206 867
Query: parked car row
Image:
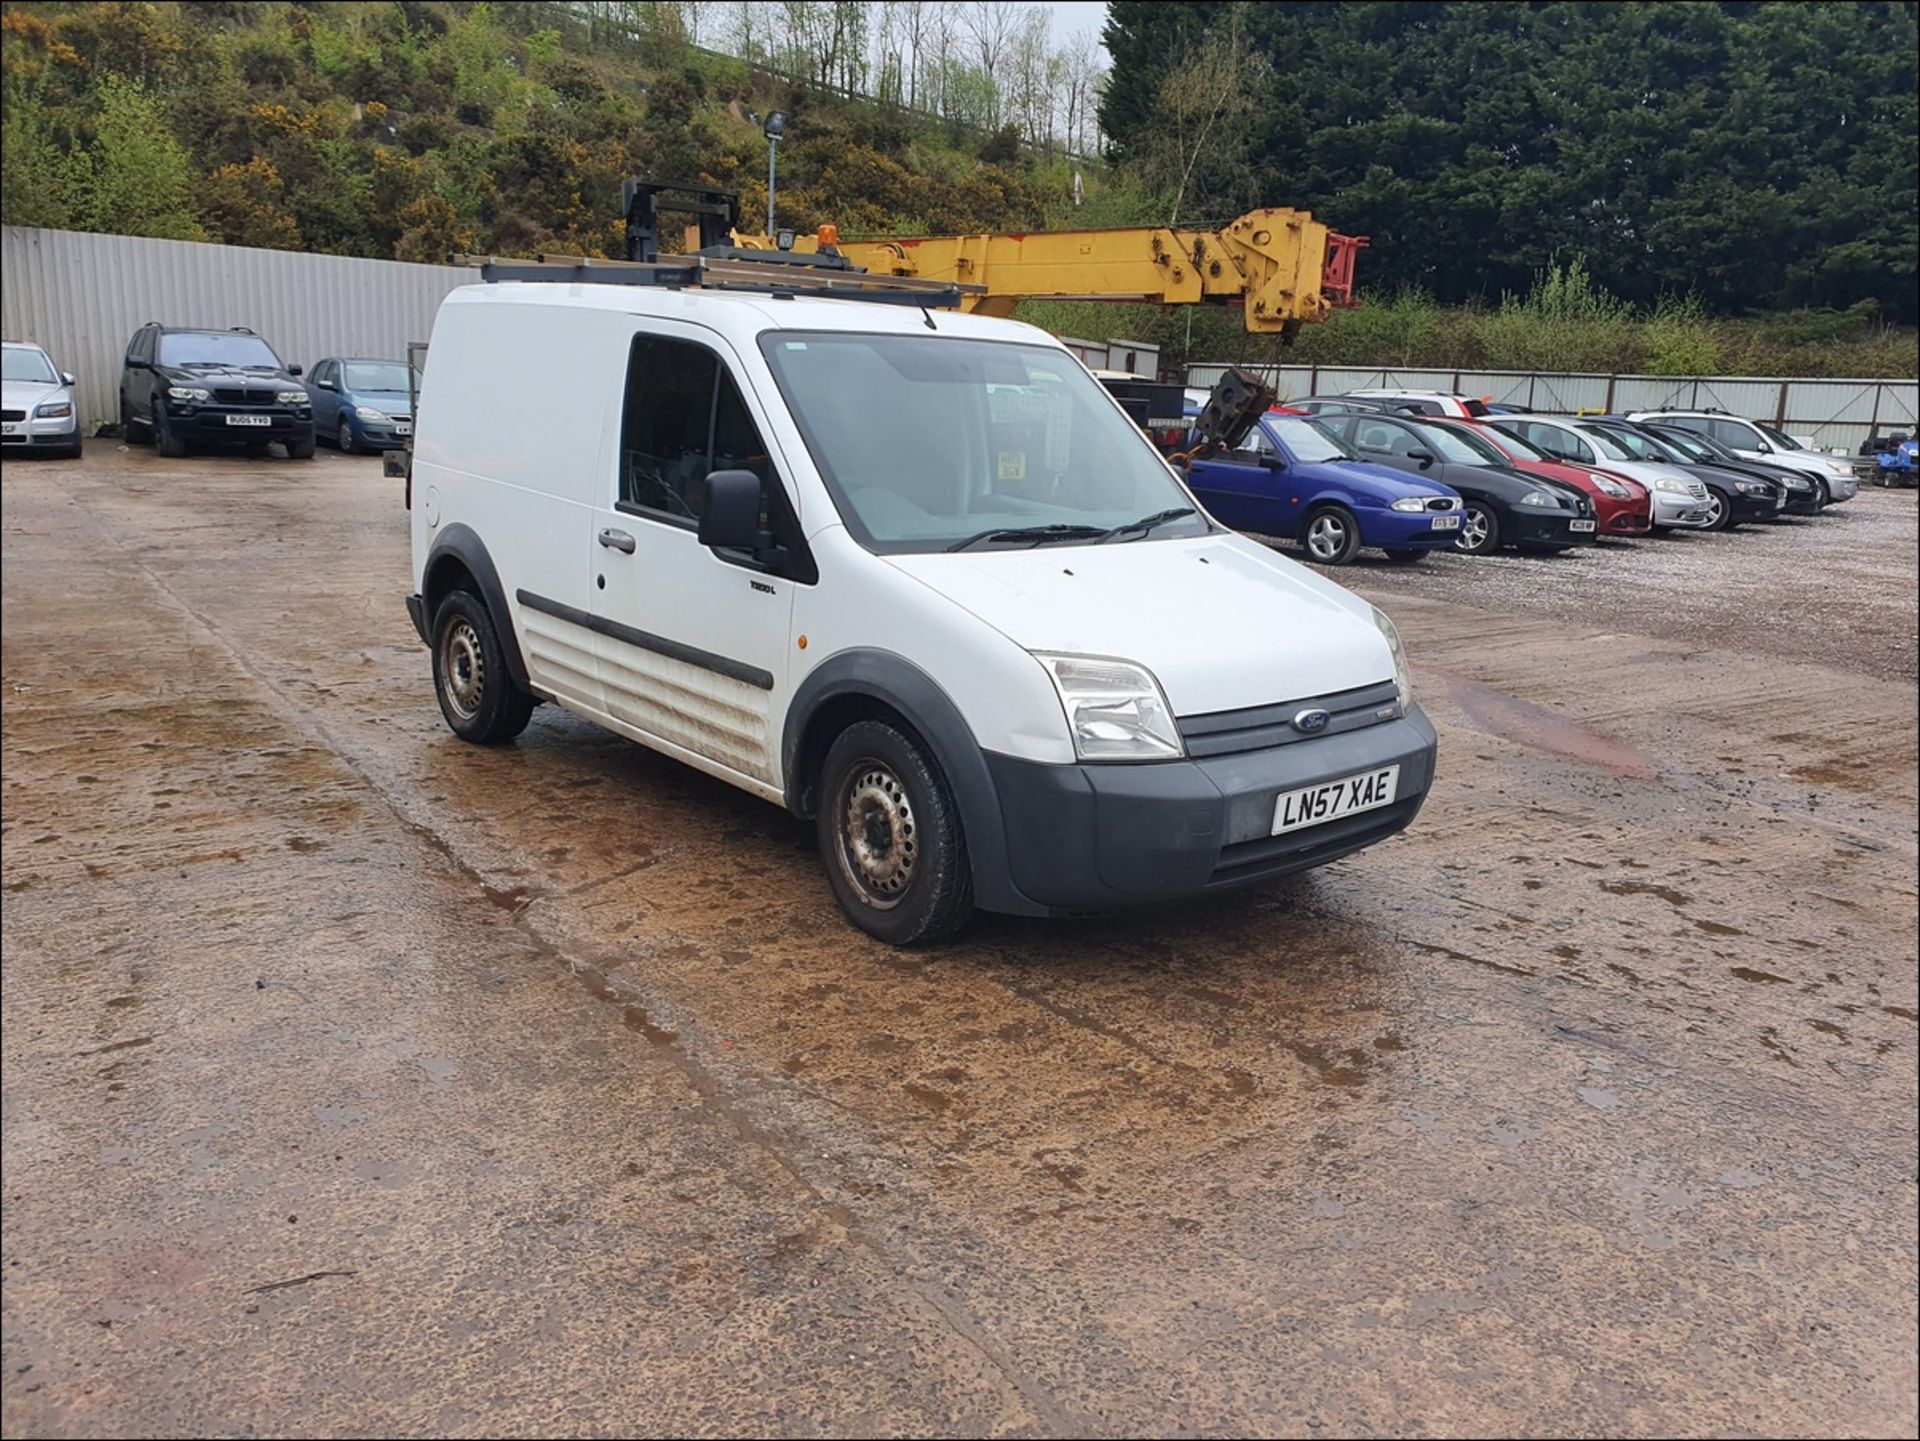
183 386
1410 472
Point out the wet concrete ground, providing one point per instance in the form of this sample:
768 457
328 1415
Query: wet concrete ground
360 1080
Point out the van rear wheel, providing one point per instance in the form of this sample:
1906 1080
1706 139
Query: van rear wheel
477 694
890 837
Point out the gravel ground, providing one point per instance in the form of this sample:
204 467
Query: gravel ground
362 1082
1840 586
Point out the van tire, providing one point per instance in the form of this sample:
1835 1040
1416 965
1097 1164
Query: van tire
476 692
875 770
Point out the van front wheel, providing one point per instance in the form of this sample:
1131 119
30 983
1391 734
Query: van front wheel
477 694
890 837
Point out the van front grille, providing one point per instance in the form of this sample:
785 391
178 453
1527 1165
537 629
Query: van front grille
1230 732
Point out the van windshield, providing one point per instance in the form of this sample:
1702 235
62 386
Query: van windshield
927 441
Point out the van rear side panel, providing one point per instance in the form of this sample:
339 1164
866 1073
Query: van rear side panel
518 409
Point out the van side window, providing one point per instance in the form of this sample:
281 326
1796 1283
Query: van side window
684 418
666 432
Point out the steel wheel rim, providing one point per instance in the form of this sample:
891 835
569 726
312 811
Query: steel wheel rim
1473 531
879 843
463 667
1326 537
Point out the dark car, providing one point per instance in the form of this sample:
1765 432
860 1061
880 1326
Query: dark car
1504 506
361 404
1316 404
182 386
1735 495
1803 496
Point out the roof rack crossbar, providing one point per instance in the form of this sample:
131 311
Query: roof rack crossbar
730 273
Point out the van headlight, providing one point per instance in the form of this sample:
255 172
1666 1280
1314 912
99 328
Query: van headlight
1115 709
1402 672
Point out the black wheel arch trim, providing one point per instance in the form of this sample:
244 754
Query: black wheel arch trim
919 699
460 543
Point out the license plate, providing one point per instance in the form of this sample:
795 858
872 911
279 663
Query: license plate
402 427
9 428
1579 525
249 420
1446 522
1330 800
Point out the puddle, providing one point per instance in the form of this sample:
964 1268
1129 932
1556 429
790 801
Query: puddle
1541 729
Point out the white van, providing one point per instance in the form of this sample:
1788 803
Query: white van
908 572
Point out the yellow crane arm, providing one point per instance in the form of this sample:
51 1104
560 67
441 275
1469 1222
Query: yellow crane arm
1283 267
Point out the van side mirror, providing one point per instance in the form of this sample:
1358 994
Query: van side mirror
326 385
731 520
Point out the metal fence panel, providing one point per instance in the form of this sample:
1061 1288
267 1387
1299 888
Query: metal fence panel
82 296
1836 414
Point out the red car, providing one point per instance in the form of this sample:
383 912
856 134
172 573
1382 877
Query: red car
1622 506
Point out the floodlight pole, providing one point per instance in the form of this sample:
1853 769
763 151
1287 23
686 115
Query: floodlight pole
776 127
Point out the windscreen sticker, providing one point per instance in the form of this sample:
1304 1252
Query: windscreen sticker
1013 465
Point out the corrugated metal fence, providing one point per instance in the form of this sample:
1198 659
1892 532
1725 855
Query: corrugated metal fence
82 296
1835 413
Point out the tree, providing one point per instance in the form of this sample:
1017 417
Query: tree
1205 101
138 182
991 25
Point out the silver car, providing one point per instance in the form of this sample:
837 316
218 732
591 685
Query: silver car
36 403
1832 477
1680 501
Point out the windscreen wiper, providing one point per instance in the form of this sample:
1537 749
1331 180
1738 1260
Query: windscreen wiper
1037 534
1148 522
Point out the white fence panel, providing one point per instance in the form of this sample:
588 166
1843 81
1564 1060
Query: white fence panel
82 296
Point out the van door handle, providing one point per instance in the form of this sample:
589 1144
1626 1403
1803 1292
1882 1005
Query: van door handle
618 539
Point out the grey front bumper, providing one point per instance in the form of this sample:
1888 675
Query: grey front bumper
1099 837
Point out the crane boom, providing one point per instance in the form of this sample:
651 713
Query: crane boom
1283 268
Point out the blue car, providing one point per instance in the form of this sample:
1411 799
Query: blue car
361 404
1292 478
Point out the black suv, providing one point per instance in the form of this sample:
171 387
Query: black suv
182 386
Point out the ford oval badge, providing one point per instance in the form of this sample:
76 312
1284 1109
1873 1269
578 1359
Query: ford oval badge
1311 722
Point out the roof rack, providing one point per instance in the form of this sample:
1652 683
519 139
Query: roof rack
777 273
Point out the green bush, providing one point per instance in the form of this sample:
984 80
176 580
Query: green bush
1680 340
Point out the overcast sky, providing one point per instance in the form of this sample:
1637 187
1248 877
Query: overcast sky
1071 17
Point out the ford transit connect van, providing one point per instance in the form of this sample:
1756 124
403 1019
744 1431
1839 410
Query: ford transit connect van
910 573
